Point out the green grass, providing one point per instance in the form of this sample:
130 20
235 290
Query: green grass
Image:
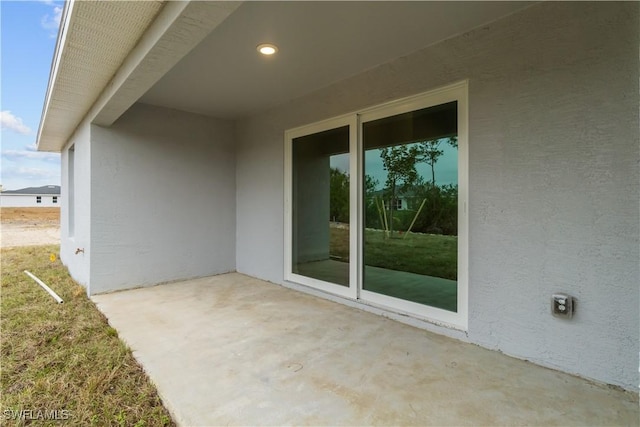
427 254
65 357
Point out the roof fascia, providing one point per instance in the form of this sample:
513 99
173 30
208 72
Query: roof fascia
65 22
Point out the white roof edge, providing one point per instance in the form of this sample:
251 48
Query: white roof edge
55 63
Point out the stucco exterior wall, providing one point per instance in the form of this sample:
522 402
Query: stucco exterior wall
554 179
77 263
174 213
28 201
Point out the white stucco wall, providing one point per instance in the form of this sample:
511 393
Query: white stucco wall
171 210
77 263
554 180
28 201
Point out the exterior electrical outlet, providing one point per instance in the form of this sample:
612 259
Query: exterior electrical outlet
562 305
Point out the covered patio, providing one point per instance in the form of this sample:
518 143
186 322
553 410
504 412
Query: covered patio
235 350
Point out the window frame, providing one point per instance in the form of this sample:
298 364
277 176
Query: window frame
71 190
454 92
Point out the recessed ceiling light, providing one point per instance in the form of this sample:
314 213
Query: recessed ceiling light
267 49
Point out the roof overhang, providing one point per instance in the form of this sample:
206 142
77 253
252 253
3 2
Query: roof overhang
109 53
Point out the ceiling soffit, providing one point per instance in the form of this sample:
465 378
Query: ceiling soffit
320 43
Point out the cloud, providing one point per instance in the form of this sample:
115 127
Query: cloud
51 21
28 172
29 168
31 155
11 122
14 177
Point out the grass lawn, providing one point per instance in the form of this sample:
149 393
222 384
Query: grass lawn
65 357
427 254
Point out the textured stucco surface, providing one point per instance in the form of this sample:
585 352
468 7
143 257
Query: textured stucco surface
78 264
554 180
174 214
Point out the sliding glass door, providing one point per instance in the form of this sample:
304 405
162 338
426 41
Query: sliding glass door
410 229
376 206
321 209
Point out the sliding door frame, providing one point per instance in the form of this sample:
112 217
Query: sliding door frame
350 291
455 92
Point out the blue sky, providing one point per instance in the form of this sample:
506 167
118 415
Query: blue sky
28 39
446 168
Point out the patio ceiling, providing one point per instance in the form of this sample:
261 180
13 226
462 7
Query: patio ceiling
319 43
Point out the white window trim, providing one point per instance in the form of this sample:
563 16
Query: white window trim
290 135
454 92
71 190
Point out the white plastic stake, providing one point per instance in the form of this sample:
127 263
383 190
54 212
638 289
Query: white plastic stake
45 287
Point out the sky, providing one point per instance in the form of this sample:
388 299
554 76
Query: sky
27 42
446 168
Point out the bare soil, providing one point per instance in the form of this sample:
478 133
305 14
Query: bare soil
30 215
29 226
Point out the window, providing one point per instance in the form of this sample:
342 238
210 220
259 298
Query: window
397 204
71 159
320 193
55 199
375 206
38 199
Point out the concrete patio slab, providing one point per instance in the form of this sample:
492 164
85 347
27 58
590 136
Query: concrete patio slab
234 350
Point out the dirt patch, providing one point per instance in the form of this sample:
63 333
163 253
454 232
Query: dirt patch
30 226
50 216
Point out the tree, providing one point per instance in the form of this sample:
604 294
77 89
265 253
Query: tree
370 184
371 216
430 152
339 196
440 212
400 164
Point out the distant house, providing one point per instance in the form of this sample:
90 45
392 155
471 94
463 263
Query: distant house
404 201
400 203
32 197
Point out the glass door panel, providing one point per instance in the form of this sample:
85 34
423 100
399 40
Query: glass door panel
320 165
410 206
